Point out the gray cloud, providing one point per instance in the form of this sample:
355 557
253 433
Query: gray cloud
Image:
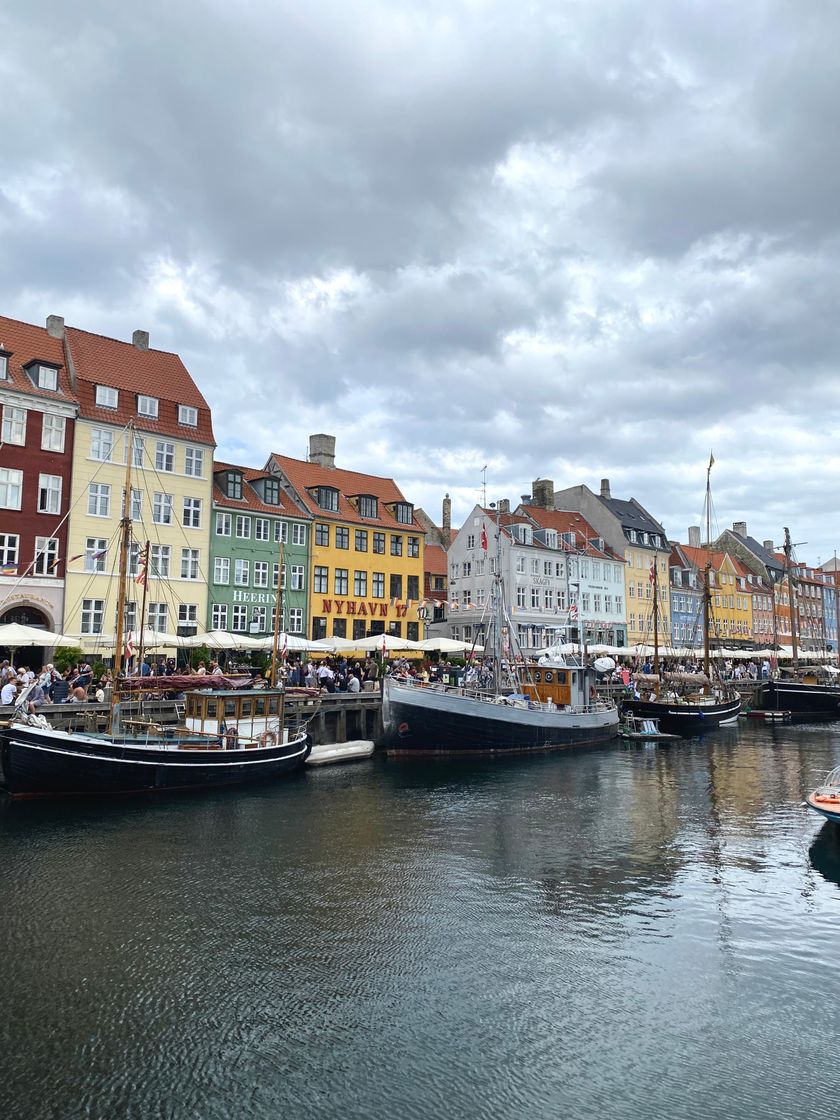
564 240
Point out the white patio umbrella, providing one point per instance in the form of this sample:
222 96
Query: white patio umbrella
212 639
289 641
376 642
15 635
444 645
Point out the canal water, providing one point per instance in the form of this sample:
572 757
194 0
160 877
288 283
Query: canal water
627 932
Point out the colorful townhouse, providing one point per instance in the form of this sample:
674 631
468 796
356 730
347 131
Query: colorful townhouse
731 622
686 587
595 570
119 384
255 527
367 550
636 535
434 609
39 408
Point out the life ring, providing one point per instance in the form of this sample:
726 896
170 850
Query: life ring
268 739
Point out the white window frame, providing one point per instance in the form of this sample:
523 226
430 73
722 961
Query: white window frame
93 615
99 499
260 573
219 616
160 559
106 397
239 619
9 552
295 620
165 454
298 533
93 545
188 416
161 508
101 445
46 555
11 488
190 567
14 425
194 462
262 529
192 513
224 524
52 432
243 522
147 406
241 572
221 569
298 576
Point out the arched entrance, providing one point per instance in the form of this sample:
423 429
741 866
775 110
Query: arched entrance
25 615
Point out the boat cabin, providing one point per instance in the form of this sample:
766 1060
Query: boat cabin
563 685
252 714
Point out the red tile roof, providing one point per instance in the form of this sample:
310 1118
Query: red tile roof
303 475
250 498
435 560
568 521
26 342
155 373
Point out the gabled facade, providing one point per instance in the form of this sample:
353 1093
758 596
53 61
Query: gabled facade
38 411
252 517
367 551
595 574
434 609
633 533
731 623
172 459
686 587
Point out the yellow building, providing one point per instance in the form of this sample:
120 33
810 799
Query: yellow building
172 474
731 620
367 552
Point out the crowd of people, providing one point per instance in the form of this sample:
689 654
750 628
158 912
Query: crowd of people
75 684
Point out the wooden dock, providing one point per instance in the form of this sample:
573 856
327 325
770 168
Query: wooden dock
341 717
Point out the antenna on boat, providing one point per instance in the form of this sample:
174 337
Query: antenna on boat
484 485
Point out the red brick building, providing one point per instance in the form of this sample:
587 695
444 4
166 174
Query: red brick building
38 408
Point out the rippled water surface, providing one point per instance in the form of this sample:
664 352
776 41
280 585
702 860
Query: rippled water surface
646 933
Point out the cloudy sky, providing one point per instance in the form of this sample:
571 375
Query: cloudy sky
563 239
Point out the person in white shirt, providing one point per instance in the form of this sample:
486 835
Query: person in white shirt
8 692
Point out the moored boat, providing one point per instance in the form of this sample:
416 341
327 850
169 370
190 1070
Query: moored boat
825 799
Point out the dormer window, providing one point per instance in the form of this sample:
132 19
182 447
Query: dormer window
368 506
234 485
404 513
188 415
46 377
569 539
4 365
271 492
551 538
106 397
147 406
524 534
327 497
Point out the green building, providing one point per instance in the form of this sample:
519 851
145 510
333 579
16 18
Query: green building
252 517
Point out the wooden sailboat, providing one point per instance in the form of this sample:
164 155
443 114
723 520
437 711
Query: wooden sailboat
553 709
800 692
247 738
678 711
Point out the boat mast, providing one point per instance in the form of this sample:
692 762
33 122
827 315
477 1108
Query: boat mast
655 575
278 615
794 637
707 594
836 606
125 546
498 611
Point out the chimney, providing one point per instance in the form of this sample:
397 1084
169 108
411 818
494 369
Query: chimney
525 499
739 528
769 546
694 536
140 339
543 491
504 505
605 488
322 451
55 326
446 521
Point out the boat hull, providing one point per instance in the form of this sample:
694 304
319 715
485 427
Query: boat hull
686 719
430 722
830 809
50 763
806 701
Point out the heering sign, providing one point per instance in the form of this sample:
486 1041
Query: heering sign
358 608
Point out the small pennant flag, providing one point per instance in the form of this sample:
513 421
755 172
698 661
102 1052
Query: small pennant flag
100 552
129 645
142 574
78 557
711 460
9 570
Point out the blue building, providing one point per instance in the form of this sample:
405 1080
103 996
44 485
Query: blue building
686 594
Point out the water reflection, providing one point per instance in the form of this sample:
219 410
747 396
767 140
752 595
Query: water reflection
825 852
638 931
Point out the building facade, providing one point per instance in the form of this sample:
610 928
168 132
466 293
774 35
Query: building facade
142 402
39 407
253 519
367 551
633 533
685 582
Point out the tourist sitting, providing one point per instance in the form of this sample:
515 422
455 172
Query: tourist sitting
9 691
